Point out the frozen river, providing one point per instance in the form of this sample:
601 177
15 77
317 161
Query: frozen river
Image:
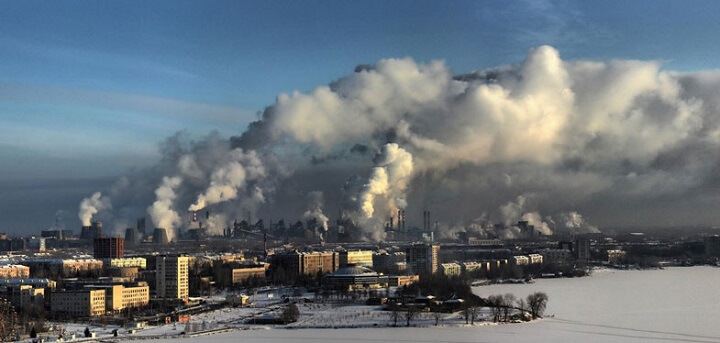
671 305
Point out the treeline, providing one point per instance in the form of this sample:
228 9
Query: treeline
504 308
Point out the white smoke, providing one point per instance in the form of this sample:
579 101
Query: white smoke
315 212
569 132
92 205
513 211
573 222
388 182
534 219
216 223
229 179
161 211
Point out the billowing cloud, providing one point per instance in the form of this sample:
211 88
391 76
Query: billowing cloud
518 141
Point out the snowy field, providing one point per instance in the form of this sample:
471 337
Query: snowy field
672 305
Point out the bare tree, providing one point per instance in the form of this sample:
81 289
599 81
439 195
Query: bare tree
466 312
410 313
508 300
522 305
495 302
474 313
394 313
437 315
537 302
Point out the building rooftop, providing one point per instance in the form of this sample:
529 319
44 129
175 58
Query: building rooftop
354 270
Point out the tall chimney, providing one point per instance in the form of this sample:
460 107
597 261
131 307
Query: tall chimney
429 222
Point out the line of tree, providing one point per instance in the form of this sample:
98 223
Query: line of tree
502 306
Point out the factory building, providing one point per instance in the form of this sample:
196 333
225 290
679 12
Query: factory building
160 236
91 232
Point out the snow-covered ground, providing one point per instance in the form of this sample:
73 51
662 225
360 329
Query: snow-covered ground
672 305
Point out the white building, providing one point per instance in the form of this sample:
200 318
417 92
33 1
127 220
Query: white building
450 269
535 258
520 260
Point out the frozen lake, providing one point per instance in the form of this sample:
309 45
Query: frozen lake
671 305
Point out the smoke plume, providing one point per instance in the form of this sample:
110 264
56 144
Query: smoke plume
582 135
227 180
315 212
92 205
388 182
161 211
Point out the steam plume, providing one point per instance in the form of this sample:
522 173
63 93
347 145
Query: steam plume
567 132
227 180
92 205
162 213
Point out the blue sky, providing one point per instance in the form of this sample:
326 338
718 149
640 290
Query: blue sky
100 83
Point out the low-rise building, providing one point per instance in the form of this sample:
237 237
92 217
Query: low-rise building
292 264
139 262
22 296
55 267
402 280
34 282
450 269
471 267
354 277
14 271
385 262
484 241
120 297
520 260
86 302
557 255
535 258
357 257
616 256
235 274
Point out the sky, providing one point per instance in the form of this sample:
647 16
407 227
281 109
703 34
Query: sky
88 89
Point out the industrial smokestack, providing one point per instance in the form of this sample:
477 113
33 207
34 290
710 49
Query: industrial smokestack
404 220
160 236
428 221
141 226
